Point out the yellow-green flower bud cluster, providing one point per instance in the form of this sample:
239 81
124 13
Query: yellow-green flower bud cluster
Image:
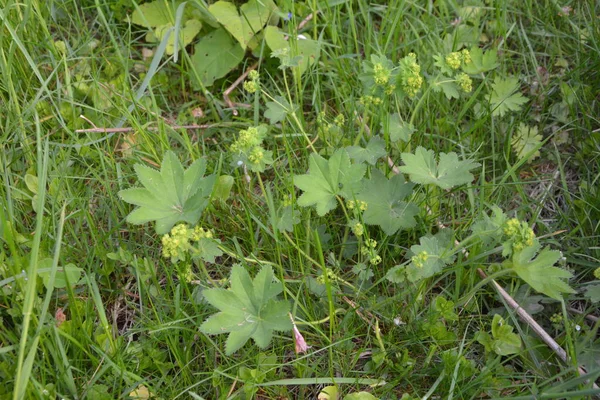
520 235
253 84
465 82
369 251
454 60
556 318
331 276
357 228
381 74
287 201
370 100
356 205
597 273
410 74
339 120
256 154
177 244
248 139
419 259
466 56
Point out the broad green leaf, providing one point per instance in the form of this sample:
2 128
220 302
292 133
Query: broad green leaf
222 189
277 110
445 84
539 271
306 49
253 16
67 275
31 181
422 168
489 229
155 13
215 55
526 142
505 96
360 396
505 342
385 205
247 309
592 292
188 32
375 150
429 258
208 249
480 61
328 393
171 195
398 129
287 217
446 308
327 179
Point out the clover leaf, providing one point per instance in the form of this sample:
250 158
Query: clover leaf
327 179
385 205
539 271
171 195
449 172
248 309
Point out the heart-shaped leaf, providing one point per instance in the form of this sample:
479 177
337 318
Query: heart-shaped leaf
215 55
252 17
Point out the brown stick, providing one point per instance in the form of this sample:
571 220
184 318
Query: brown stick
235 84
130 129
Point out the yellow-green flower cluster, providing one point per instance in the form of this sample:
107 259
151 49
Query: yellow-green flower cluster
457 58
597 273
419 259
370 100
252 85
339 120
466 56
410 74
369 251
356 205
465 82
519 234
247 140
381 74
177 244
256 154
201 233
454 60
331 276
287 201
357 228
556 318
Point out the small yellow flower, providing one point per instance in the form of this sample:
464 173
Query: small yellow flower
465 82
454 59
466 56
419 259
250 86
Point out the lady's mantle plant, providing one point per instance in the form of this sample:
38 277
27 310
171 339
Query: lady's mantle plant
171 195
248 309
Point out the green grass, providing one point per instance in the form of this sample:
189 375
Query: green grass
133 318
